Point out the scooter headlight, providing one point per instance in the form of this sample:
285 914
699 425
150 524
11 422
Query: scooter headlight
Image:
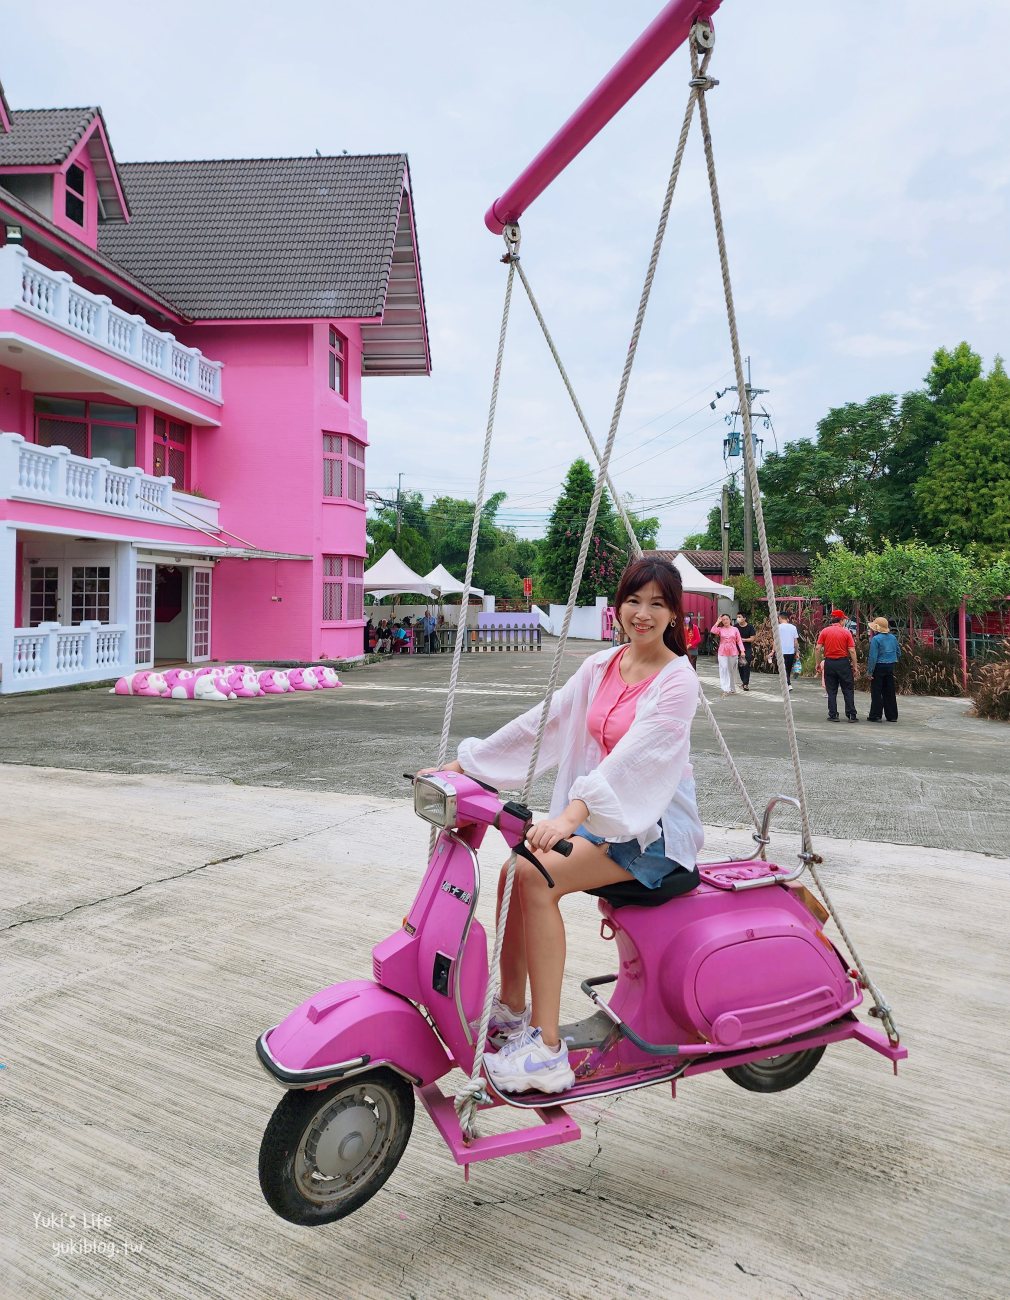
435 801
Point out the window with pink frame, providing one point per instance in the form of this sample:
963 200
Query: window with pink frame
343 468
343 590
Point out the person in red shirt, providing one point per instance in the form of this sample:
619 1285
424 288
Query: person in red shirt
836 648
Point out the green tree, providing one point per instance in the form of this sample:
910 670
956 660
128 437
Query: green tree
411 546
560 549
922 424
815 492
964 494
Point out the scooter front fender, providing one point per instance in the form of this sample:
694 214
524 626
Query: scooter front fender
349 1028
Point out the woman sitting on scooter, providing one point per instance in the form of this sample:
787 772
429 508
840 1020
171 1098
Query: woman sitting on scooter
619 733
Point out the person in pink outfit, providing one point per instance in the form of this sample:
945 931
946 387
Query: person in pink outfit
731 651
619 734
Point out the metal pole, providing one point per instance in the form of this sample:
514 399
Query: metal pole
725 533
962 636
399 508
648 54
748 502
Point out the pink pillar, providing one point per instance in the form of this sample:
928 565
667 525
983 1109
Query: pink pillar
667 32
962 636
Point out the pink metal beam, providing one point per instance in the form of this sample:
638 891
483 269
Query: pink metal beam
652 49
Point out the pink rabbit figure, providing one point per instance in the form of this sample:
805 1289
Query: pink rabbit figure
181 683
150 684
327 677
302 679
124 686
209 687
274 681
243 682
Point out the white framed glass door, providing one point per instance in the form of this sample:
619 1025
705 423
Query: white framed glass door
144 617
199 627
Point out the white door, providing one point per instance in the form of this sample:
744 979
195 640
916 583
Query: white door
199 625
143 644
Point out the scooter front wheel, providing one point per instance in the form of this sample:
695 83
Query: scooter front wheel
775 1073
324 1154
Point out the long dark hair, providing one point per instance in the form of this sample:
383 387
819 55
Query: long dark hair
668 580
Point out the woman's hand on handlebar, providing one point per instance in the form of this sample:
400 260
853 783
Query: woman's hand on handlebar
453 766
544 835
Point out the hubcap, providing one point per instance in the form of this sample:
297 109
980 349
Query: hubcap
345 1142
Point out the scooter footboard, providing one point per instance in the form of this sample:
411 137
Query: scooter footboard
346 1029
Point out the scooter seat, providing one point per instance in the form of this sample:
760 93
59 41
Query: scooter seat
630 893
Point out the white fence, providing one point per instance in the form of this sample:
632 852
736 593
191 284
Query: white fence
53 296
51 655
55 476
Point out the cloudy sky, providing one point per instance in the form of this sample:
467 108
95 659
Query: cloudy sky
863 157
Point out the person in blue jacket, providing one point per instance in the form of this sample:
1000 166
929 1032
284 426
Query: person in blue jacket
884 655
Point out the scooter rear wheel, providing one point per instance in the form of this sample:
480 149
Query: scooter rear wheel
775 1073
324 1154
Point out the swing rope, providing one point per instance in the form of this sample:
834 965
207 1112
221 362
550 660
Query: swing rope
471 1095
636 546
810 858
464 599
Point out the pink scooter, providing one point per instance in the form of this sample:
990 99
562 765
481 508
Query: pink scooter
735 974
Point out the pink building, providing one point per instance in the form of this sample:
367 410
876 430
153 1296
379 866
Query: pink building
182 448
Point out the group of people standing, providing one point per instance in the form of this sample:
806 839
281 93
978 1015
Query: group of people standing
834 658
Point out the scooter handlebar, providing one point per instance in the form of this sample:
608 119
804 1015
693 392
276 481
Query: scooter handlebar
564 847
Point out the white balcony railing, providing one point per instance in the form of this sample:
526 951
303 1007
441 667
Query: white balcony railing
55 476
51 655
52 296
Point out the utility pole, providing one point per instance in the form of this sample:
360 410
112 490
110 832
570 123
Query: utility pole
750 392
725 533
391 503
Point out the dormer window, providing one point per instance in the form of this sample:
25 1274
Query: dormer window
75 194
337 346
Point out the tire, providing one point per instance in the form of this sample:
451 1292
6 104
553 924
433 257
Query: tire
775 1073
324 1154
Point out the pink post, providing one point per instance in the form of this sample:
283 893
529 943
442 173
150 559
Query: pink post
652 49
962 636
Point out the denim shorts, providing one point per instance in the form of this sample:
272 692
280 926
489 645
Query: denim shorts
649 868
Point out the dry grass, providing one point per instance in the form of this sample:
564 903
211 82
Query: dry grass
989 686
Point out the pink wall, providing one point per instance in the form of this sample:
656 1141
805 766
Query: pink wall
11 413
264 465
203 412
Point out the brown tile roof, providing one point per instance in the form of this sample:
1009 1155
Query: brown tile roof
78 254
43 137
711 561
262 237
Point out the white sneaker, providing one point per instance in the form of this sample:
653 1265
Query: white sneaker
526 1063
504 1023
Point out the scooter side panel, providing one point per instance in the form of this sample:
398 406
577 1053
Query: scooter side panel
357 1018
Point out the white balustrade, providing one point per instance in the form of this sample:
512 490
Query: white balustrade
52 655
53 296
56 477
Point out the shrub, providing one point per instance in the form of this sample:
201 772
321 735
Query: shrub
989 687
924 670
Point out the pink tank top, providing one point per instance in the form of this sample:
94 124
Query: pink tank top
613 710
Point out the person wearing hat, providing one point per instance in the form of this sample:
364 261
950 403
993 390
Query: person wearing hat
837 649
884 655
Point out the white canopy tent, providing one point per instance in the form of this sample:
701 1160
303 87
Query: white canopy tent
447 584
389 576
696 582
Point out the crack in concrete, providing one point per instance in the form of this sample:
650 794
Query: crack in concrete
190 871
761 1277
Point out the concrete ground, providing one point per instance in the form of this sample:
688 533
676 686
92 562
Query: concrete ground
165 906
939 777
